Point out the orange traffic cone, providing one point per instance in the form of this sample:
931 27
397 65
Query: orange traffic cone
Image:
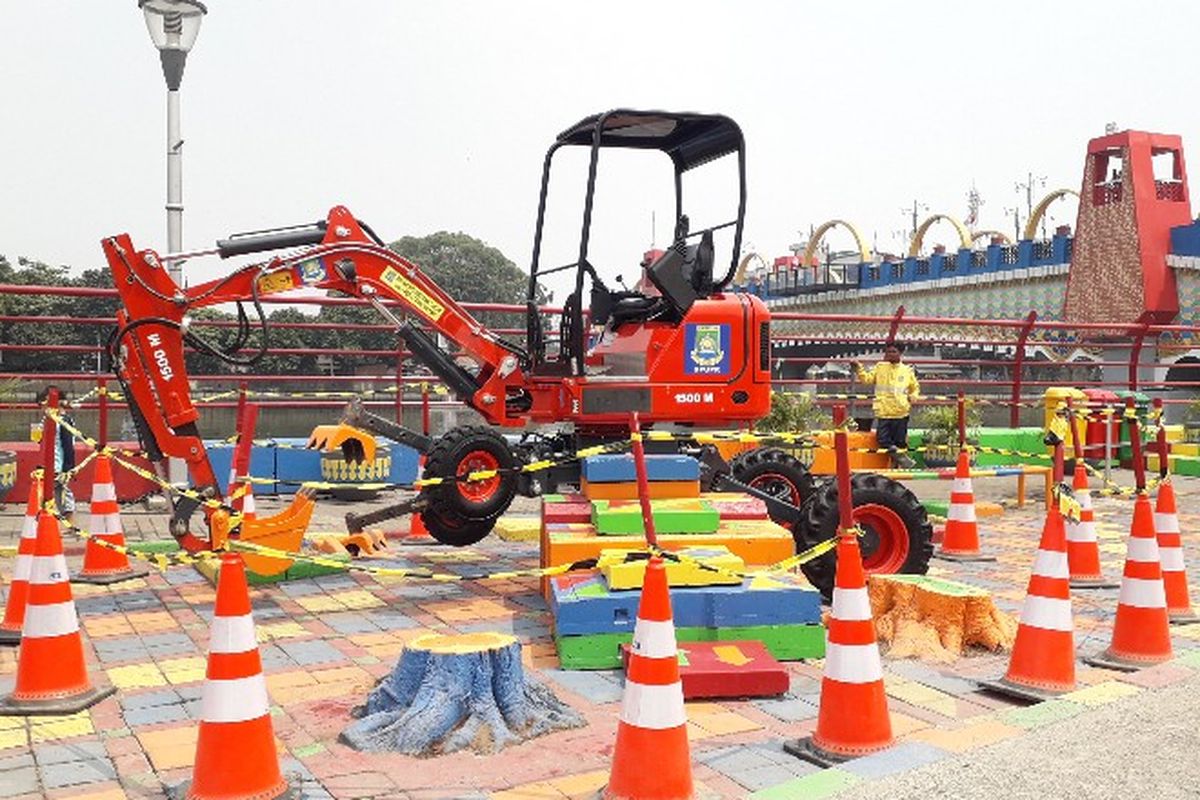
104 565
1170 549
235 750
651 758
1141 632
1083 551
51 673
18 590
853 718
961 539
1043 656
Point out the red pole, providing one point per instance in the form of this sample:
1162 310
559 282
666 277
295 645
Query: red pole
841 443
1135 443
102 391
643 482
49 442
399 390
962 420
425 426
243 393
1164 450
839 415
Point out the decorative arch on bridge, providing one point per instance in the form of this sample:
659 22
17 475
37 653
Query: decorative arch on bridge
1039 211
964 235
989 235
815 240
739 277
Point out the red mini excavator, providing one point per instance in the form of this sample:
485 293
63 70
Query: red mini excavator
687 352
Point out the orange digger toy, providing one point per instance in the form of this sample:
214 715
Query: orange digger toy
681 349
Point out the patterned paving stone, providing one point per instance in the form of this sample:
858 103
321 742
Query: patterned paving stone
1039 714
815 786
904 756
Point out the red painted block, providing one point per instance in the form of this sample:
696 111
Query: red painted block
569 510
727 669
737 506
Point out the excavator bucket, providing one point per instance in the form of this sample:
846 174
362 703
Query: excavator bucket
357 445
283 531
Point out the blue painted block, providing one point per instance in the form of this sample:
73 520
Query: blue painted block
620 468
262 464
582 604
294 464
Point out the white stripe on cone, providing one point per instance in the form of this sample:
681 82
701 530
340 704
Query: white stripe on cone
851 604
232 635
962 486
1166 523
102 492
653 707
29 528
1142 593
234 700
46 570
23 568
654 639
1145 550
1081 531
1172 559
55 619
962 512
107 523
852 663
1048 613
1051 564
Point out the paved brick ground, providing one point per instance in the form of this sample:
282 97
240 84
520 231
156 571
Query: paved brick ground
325 641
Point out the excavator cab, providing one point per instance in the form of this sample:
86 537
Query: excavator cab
685 271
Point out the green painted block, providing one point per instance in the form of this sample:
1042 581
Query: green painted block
939 508
1187 465
1036 716
298 571
684 515
165 546
603 650
1021 440
814 786
937 585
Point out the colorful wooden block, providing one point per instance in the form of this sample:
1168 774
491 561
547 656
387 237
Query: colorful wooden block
628 490
618 468
734 505
687 515
575 508
585 606
629 574
727 669
783 642
765 544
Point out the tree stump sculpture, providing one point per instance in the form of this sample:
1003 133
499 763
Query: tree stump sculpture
448 692
936 620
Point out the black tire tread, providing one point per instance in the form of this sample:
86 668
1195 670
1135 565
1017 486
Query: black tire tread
819 521
449 513
746 466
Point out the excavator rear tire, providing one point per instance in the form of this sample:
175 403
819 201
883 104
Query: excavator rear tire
456 532
775 472
897 537
463 512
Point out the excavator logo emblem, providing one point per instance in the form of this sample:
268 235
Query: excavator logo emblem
707 350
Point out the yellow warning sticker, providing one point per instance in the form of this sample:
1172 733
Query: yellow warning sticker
279 281
413 294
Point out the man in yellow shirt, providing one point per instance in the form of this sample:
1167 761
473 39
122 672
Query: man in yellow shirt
895 388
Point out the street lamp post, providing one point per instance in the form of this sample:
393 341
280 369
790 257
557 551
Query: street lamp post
173 26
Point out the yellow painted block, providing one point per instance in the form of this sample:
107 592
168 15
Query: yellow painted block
1152 462
136 676
1181 448
1175 434
629 575
518 529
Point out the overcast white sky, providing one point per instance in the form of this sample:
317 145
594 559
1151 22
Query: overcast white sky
422 116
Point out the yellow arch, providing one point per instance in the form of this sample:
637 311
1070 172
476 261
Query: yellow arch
964 235
990 235
739 277
1040 209
819 234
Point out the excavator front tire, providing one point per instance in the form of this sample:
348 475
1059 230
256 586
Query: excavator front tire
461 512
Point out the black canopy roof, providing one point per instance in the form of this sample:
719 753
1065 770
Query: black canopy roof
689 139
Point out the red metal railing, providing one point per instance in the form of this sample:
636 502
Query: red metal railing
1015 364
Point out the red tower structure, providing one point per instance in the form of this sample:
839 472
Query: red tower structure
1134 191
